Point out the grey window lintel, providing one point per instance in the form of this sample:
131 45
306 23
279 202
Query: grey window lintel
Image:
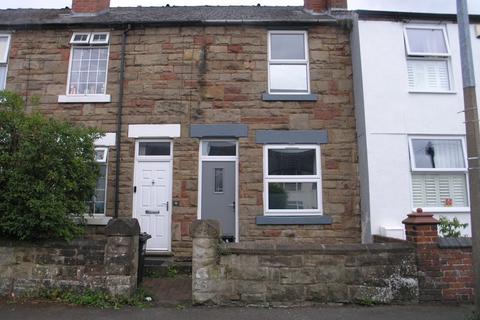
225 130
293 220
291 136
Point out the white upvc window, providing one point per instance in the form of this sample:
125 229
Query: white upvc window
428 58
288 62
439 173
97 205
292 180
87 73
4 48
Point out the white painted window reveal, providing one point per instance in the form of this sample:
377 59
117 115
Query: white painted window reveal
292 180
97 205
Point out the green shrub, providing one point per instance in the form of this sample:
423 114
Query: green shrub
47 171
451 228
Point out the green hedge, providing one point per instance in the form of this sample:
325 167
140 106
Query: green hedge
47 171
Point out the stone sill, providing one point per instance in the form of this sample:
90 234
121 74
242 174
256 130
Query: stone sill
293 220
289 97
87 98
97 220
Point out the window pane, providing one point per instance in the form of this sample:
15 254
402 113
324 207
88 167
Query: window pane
154 149
439 190
92 75
291 162
428 75
426 41
438 153
218 180
287 46
3 49
219 148
3 77
294 195
288 78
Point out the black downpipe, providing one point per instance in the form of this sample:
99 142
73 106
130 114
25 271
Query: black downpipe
118 135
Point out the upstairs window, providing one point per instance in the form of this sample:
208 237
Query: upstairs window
288 68
428 59
439 173
88 64
4 47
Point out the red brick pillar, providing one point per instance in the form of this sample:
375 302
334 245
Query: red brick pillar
421 230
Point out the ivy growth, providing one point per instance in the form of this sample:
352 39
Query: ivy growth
47 171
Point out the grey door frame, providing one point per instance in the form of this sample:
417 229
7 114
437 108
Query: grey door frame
201 159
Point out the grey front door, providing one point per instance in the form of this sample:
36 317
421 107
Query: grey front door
218 194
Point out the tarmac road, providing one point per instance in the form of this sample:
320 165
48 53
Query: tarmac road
44 311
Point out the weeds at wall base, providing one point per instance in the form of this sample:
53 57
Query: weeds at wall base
92 298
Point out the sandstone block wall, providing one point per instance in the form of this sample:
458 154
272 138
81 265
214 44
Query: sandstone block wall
109 264
201 75
273 275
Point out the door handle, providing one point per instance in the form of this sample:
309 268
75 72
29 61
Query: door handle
232 205
151 212
166 205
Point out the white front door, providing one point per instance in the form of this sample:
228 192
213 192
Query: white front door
152 208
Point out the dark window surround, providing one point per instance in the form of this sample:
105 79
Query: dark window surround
226 130
291 136
289 97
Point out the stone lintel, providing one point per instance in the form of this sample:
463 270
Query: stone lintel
123 227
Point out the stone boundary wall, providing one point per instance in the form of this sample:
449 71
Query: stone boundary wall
109 264
273 275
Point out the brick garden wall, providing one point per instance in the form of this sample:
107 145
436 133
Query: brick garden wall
456 274
109 264
204 75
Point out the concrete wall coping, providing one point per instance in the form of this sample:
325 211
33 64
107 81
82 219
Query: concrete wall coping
275 249
122 227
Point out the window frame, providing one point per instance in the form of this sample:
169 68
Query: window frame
218 158
153 158
87 41
104 42
317 178
271 61
439 171
103 161
4 60
429 56
427 27
87 44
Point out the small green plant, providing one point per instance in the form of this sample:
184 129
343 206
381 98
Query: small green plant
172 272
473 316
180 306
451 228
94 298
365 302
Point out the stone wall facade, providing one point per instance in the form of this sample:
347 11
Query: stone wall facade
276 275
206 75
109 264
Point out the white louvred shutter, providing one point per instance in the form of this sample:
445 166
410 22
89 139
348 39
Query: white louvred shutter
431 190
428 75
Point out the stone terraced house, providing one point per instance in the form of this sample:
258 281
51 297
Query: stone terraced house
241 114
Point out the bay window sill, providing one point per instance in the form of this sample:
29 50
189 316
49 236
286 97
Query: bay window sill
293 220
84 98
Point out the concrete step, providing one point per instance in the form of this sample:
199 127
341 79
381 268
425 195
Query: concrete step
165 267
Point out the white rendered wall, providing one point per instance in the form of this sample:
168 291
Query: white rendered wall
392 114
